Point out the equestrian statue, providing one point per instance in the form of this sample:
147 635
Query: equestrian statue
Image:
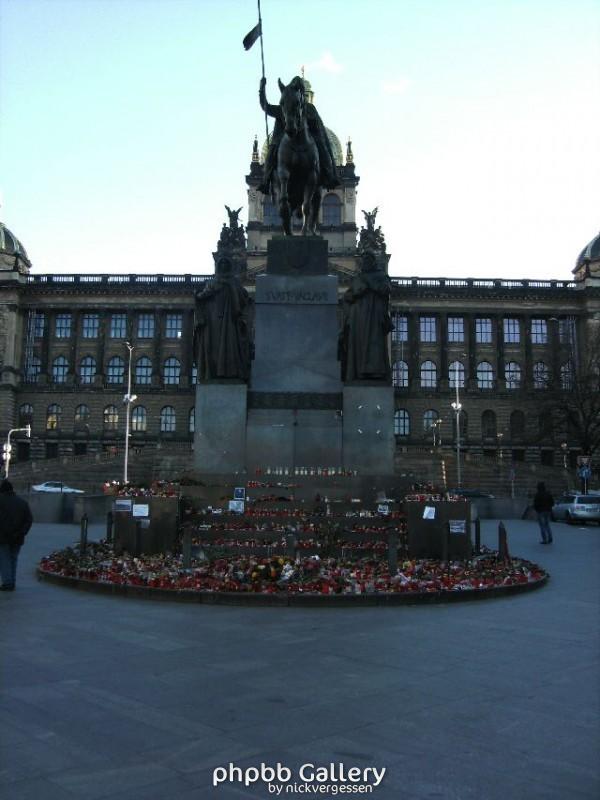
300 161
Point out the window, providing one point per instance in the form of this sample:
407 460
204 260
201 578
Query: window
118 326
456 329
400 374
171 372
53 416
427 329
145 329
90 326
192 420
541 375
51 449
167 419
483 330
87 369
60 368
539 331
33 369
174 326
512 334
456 368
115 370
485 375
545 424
143 370
194 374
566 330
270 214
430 417
82 414
62 327
400 332
401 422
139 419
566 376
111 418
39 324
517 425
332 210
488 425
428 375
512 375
25 415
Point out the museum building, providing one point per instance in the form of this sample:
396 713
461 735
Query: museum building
65 362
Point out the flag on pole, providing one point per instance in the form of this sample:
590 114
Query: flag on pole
250 38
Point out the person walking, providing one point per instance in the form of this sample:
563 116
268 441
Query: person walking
15 522
543 503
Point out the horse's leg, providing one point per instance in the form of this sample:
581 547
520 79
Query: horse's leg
284 201
309 220
315 206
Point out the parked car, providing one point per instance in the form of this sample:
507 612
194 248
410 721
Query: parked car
471 494
56 486
577 508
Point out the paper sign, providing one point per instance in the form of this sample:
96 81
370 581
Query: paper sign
123 504
458 526
237 506
141 510
239 493
383 508
429 512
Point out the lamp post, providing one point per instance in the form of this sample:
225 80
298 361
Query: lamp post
457 407
437 429
564 446
7 448
128 399
500 436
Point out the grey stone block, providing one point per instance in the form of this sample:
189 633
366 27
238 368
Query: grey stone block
220 435
299 255
368 440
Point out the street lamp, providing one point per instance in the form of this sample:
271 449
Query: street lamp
7 448
128 399
564 447
457 407
437 425
500 436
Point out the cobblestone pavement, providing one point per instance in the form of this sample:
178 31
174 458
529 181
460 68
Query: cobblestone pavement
104 697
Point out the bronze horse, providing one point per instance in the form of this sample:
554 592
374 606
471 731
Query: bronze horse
297 173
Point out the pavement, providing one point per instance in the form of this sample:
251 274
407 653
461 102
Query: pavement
108 697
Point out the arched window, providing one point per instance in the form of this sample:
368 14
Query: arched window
485 375
143 370
270 213
115 370
488 425
53 417
401 422
517 425
111 418
60 367
428 375
566 376
512 375
167 419
332 210
430 417
171 371
192 420
456 368
541 375
87 369
82 414
25 415
33 368
545 424
400 374
139 420
194 380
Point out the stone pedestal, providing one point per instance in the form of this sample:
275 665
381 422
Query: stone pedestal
368 441
220 428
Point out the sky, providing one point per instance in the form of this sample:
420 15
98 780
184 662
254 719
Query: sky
127 125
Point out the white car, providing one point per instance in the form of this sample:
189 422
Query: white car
574 507
56 486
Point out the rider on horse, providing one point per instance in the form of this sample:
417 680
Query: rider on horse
328 176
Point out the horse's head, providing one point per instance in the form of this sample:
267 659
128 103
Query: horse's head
292 106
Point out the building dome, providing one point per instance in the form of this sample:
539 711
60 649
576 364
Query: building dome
591 252
12 252
336 148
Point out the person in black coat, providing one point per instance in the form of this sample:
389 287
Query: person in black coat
15 522
543 503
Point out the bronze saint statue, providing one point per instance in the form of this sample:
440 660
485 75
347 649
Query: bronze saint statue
221 338
366 325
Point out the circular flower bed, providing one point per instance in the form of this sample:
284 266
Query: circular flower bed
312 576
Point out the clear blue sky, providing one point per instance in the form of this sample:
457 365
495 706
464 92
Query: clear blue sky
128 124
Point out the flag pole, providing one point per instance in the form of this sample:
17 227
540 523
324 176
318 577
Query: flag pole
262 61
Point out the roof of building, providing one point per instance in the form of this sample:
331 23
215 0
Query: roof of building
591 252
10 245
